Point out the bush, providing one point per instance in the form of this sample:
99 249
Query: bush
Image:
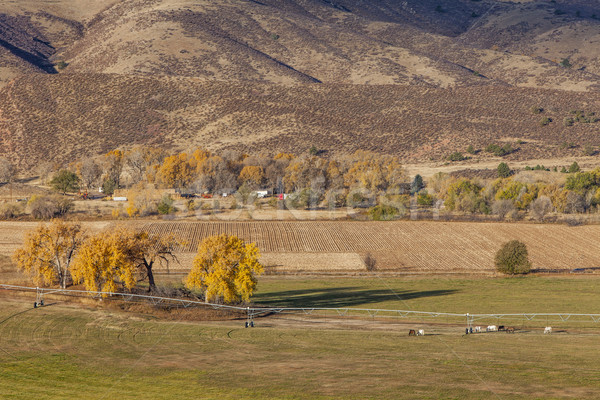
588 150
470 149
574 168
417 184
457 156
545 121
370 262
499 151
47 207
503 207
108 187
425 199
536 110
306 198
512 258
565 62
383 213
541 207
568 121
165 205
503 170
10 210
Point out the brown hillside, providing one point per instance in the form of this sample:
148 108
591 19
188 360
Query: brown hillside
417 78
66 116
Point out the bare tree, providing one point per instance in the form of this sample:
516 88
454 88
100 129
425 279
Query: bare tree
7 170
370 262
502 208
90 172
541 207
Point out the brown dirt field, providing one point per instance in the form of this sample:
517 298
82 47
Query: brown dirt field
402 246
398 246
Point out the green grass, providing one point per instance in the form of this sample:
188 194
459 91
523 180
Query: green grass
576 294
62 351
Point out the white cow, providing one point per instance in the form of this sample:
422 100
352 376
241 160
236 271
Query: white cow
491 328
548 329
420 332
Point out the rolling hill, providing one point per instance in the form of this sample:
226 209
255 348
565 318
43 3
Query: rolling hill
417 78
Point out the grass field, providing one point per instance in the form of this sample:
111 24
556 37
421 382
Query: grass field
66 351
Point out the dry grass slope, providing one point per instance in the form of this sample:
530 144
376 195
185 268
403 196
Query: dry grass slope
418 78
69 116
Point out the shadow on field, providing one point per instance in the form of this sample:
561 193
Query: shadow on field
339 297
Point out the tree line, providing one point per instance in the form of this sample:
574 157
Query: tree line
225 268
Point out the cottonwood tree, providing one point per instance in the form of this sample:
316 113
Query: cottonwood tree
225 268
90 173
113 166
140 159
252 175
48 252
119 256
102 263
177 171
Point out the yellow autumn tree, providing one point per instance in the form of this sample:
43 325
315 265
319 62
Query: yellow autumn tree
103 262
176 171
113 166
48 251
374 171
120 257
253 175
225 268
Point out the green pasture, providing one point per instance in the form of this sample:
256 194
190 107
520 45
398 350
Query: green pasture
68 351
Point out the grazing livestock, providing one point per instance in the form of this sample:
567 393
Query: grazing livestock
501 328
420 332
491 328
510 329
477 329
548 329
412 333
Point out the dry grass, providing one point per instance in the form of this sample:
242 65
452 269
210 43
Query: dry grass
415 123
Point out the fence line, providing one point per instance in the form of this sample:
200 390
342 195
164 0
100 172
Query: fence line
339 311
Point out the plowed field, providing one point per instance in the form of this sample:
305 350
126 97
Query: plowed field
416 246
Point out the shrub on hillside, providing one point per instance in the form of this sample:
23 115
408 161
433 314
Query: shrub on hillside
499 151
457 156
503 170
512 258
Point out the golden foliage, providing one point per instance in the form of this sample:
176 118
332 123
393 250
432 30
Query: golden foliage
103 261
252 174
142 200
48 251
176 171
225 268
374 171
114 257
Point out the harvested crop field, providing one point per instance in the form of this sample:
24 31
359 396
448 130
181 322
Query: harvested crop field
401 246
